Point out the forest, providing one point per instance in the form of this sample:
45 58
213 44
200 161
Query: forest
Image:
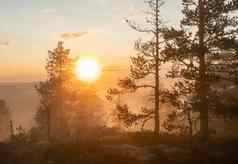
186 75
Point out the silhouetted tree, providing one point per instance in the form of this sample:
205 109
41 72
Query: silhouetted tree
67 107
182 117
53 92
4 120
197 49
86 115
145 69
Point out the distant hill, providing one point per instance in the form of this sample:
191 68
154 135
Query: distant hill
22 100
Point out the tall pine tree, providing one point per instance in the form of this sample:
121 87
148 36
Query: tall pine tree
208 30
53 91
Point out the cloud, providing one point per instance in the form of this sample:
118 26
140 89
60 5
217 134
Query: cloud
72 35
49 11
4 43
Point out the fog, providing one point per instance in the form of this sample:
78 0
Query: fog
23 102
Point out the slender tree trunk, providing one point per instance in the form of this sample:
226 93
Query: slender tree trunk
190 124
60 96
202 74
156 108
11 129
48 124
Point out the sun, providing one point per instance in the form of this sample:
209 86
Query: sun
88 69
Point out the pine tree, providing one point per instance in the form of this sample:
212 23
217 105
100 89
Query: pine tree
208 30
146 64
53 91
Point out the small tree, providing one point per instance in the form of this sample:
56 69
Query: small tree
208 29
86 115
4 120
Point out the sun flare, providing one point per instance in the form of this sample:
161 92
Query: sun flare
88 69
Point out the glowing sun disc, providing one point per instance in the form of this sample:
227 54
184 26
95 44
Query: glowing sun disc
88 69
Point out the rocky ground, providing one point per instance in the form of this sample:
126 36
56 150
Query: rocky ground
105 152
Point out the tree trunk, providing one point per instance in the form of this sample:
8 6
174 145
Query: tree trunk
48 124
157 117
202 76
11 129
190 124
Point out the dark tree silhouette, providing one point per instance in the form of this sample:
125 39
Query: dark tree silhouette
183 116
208 31
67 106
145 69
4 120
53 91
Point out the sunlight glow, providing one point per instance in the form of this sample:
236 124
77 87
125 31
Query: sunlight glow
88 69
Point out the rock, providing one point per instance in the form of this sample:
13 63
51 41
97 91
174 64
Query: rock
131 151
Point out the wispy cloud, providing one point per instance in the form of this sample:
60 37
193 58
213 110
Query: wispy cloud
4 43
72 35
48 11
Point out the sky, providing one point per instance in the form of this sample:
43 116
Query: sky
29 28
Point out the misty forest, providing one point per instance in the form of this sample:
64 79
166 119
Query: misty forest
176 102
